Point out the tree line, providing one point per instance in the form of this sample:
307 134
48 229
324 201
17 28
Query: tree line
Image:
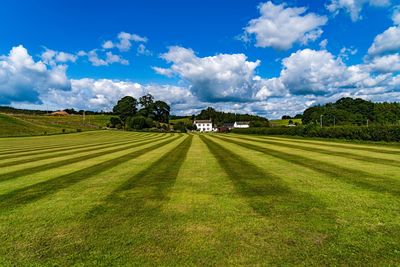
220 117
349 111
152 113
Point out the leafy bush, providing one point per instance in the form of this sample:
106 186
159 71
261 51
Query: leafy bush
388 133
139 122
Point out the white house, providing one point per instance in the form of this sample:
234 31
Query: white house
203 125
241 124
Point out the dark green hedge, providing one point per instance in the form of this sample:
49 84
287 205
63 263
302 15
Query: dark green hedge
372 133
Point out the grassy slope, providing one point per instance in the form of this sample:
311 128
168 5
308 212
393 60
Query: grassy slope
123 198
25 125
187 120
284 122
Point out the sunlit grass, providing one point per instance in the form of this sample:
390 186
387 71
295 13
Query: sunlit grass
122 198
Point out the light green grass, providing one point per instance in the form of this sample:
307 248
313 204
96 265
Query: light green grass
29 125
111 198
284 122
186 120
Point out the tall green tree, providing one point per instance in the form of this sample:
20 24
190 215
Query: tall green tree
147 106
126 107
161 110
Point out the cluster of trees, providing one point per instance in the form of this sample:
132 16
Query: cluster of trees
287 117
86 112
152 114
349 111
219 118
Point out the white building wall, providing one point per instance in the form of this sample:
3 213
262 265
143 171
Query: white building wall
204 127
241 126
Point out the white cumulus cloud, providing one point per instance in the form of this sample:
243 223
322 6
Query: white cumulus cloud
386 42
354 7
213 78
23 79
125 40
280 27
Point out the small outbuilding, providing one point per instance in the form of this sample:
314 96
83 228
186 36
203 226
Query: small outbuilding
241 124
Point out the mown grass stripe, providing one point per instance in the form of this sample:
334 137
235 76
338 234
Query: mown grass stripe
29 164
51 141
151 185
69 152
67 147
23 172
358 178
365 158
40 190
16 153
381 149
16 145
249 179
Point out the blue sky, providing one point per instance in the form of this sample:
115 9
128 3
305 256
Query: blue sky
270 58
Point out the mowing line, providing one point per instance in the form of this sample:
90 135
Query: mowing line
19 173
70 152
387 150
137 203
251 181
167 167
37 191
54 142
359 178
395 163
53 148
31 162
269 196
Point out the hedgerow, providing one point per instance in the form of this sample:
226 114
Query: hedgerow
390 133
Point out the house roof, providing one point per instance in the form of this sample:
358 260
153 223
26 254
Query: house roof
242 123
202 121
229 124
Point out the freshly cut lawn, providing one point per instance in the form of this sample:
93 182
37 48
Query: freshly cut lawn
110 198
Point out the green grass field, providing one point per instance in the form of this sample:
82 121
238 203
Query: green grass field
284 122
104 198
32 125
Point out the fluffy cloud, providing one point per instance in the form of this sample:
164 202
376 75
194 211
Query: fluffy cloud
108 59
385 64
142 50
354 7
280 27
312 72
102 94
52 57
396 15
124 41
386 42
23 79
224 77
